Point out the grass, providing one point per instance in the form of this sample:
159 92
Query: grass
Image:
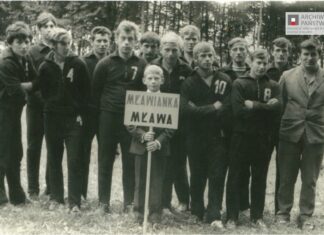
36 219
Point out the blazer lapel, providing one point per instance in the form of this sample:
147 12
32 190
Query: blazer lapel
301 81
319 80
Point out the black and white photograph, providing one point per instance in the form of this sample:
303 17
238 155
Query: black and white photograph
161 117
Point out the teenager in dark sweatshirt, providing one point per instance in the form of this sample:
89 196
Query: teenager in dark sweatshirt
254 101
46 23
175 72
113 76
205 101
16 72
100 38
64 86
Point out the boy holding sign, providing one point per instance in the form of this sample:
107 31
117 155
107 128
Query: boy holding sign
156 141
205 100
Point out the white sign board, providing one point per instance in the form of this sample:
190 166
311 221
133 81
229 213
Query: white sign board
152 109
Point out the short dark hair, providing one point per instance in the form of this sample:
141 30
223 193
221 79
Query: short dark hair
203 47
233 41
45 17
100 30
150 37
281 42
311 44
259 54
18 30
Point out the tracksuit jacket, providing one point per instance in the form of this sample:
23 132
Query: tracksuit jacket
259 91
64 92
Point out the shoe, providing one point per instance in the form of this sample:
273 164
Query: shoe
305 224
54 205
167 212
138 217
218 224
182 207
75 210
231 224
245 214
46 192
128 209
259 224
155 218
3 197
34 197
282 220
27 201
103 208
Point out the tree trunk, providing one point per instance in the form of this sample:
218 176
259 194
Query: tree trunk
157 30
153 15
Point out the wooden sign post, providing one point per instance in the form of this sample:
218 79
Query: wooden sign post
152 110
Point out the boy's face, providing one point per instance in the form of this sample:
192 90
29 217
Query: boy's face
280 54
47 29
170 52
100 43
153 81
62 48
126 42
205 59
258 67
238 53
150 50
309 58
20 46
189 42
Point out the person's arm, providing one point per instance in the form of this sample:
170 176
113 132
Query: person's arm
190 109
283 98
274 103
136 132
33 74
238 101
157 143
165 135
84 85
99 76
10 80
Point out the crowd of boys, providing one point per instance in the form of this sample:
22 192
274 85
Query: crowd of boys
231 119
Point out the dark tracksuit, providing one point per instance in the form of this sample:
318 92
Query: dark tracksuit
12 100
245 179
275 74
176 168
35 127
64 94
158 164
113 76
251 141
205 140
91 122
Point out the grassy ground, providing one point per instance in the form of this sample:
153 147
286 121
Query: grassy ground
36 219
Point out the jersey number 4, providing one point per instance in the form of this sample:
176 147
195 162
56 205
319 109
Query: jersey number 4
220 87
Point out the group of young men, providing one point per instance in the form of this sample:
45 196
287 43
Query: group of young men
231 119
